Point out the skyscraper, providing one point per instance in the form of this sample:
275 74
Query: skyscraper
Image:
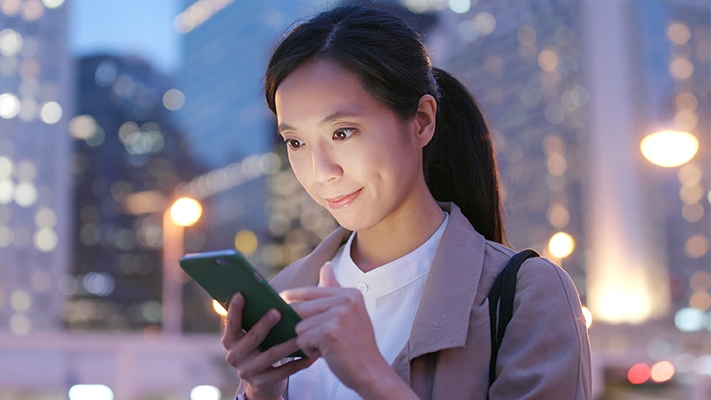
36 103
226 48
129 158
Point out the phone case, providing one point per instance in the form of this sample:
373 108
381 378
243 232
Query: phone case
224 273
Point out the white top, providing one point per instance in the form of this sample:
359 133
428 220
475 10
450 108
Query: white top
392 295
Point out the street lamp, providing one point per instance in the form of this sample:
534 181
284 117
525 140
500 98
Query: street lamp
561 245
183 213
669 148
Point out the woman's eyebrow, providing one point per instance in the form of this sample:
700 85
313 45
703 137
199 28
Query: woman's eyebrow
329 118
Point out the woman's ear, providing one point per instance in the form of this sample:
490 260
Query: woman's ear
425 120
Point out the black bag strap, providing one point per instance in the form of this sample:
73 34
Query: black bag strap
501 298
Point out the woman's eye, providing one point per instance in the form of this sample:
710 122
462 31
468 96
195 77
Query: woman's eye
293 143
343 134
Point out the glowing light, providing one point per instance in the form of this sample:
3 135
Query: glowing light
662 371
45 240
686 101
91 392
558 216
669 148
173 99
82 127
700 281
5 167
690 194
548 60
681 69
52 3
10 42
20 301
9 106
561 245
638 374
186 211
218 308
588 317
51 112
689 319
485 23
678 33
246 242
25 194
557 164
459 6
205 392
696 246
10 7
33 10
99 283
700 301
692 212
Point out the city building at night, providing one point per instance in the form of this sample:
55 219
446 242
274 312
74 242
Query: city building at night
36 103
129 156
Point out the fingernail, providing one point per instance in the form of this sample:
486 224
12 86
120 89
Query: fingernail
273 315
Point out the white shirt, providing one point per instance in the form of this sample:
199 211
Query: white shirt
392 295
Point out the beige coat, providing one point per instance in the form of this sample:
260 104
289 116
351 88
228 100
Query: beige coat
545 353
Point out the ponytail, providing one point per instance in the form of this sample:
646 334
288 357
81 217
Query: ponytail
459 162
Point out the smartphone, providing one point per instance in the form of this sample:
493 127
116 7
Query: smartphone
223 273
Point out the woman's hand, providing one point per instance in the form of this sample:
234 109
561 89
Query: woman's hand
265 379
335 325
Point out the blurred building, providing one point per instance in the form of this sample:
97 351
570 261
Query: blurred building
570 89
129 158
229 127
36 102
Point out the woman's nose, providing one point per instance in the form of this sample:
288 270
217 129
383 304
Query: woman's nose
325 166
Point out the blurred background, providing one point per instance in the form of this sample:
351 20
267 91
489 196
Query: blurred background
134 131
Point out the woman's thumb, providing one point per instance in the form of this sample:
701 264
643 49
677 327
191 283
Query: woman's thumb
327 277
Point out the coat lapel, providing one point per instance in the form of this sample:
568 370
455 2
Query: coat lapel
442 319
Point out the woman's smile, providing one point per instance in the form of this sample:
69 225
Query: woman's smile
339 202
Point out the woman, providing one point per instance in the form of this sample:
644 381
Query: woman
393 303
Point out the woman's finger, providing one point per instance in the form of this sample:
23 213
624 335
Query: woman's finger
308 293
233 323
327 276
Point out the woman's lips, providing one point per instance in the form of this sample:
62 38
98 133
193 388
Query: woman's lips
342 201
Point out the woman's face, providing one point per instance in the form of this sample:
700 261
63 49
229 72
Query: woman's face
347 149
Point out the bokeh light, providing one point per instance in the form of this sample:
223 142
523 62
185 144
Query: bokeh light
669 148
690 319
662 371
186 211
561 245
218 308
90 392
246 242
205 392
638 374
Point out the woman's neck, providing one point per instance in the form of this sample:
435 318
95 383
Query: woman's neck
402 232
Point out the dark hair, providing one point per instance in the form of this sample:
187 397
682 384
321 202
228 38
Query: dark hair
393 64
